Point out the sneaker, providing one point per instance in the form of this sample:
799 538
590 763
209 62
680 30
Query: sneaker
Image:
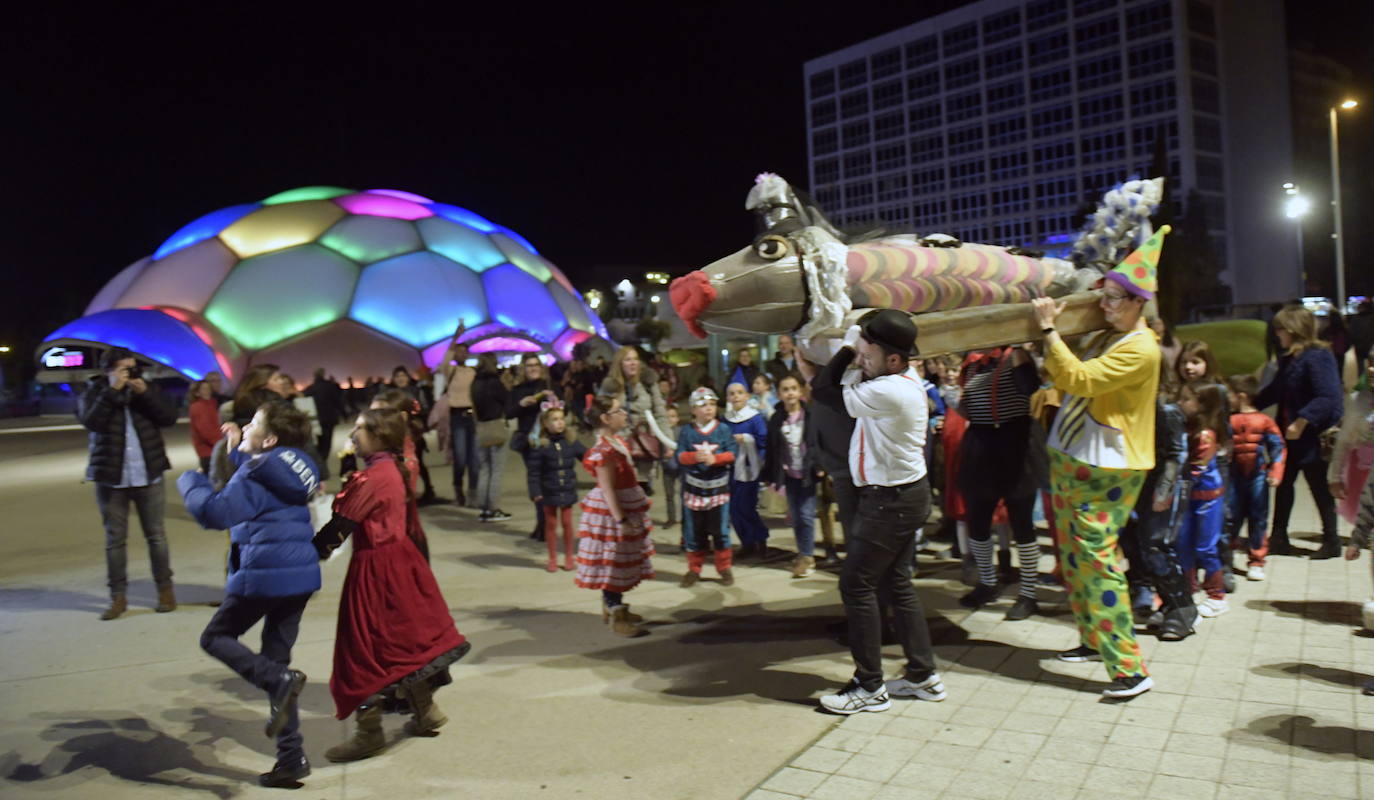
689 579
1080 654
485 516
498 516
930 688
803 567
1255 573
1023 608
285 774
855 698
1213 607
1128 686
727 577
1228 581
981 595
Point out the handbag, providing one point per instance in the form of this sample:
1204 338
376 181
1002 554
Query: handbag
644 445
1326 442
491 432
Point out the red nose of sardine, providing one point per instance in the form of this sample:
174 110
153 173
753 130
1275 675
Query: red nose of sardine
692 294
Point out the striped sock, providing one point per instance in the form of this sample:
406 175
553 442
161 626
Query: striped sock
1028 558
982 556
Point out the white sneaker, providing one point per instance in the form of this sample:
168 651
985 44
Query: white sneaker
932 688
854 698
1254 574
1212 607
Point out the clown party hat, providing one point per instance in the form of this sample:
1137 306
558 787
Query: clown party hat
1139 273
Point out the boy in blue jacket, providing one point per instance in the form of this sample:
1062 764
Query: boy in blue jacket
273 565
706 450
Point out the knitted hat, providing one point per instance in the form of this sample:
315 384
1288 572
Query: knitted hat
1138 274
701 397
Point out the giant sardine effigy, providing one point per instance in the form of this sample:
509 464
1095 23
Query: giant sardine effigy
803 275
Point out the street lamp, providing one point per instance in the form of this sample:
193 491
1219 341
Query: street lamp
1336 204
1295 207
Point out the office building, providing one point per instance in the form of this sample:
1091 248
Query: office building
1000 120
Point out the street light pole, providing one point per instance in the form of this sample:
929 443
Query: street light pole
1336 211
1336 204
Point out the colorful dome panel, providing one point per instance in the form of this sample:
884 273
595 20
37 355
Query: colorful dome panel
185 279
388 292
281 226
460 243
272 297
150 333
369 239
519 301
358 281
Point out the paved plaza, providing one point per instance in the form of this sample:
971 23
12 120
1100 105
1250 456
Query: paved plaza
717 702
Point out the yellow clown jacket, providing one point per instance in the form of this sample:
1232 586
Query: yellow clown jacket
1108 414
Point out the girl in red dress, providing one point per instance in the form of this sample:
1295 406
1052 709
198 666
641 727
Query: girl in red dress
614 550
395 634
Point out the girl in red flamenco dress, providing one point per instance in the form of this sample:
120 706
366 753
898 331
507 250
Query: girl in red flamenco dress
395 634
613 553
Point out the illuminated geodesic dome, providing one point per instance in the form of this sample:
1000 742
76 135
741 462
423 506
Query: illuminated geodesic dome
355 282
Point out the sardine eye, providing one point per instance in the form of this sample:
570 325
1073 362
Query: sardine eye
772 247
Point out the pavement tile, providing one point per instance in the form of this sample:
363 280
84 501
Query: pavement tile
944 754
1077 728
894 791
1123 782
1147 717
870 768
955 732
1191 766
929 778
1171 787
1128 757
1059 771
1235 792
1029 722
1203 725
1271 776
868 721
1039 790
791 780
982 786
1323 782
1196 745
764 794
1015 742
1138 736
992 762
845 739
1072 749
922 730
840 787
891 747
821 759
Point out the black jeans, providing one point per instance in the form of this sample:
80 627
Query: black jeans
151 503
1315 472
282 621
1020 513
881 546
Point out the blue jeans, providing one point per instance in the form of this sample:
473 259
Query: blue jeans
1198 537
489 462
801 504
881 549
1249 501
282 621
744 512
463 428
151 503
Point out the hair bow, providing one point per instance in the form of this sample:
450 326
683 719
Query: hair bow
548 404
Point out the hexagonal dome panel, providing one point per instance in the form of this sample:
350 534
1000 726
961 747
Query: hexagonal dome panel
331 274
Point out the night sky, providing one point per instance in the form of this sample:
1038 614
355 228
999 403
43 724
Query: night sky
609 135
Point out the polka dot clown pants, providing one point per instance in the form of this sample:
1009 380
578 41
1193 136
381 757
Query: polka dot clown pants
1091 505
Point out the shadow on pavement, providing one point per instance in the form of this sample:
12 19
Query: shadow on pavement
1329 612
1315 673
130 748
1300 731
142 595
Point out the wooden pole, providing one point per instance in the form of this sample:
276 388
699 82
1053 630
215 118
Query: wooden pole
981 327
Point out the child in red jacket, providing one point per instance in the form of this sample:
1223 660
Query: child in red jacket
1257 455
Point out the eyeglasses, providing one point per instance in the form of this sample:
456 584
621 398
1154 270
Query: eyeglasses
1112 299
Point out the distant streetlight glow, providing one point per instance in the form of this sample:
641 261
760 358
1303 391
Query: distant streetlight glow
1296 206
4 348
1349 104
1339 239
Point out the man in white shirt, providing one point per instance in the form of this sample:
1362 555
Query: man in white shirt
887 465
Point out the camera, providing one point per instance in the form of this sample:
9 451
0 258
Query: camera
134 373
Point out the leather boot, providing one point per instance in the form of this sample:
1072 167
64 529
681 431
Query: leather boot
367 740
427 719
166 599
630 615
118 605
569 550
621 624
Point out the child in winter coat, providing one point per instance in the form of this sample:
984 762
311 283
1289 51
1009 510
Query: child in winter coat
750 428
791 465
551 474
672 495
1204 405
273 567
1257 455
706 449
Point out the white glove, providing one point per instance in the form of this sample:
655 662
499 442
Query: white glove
851 337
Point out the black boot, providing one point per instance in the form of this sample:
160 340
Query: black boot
286 774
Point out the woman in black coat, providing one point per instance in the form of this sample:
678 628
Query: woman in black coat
1307 390
533 389
490 399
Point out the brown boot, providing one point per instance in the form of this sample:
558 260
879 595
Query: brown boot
166 599
621 624
427 719
630 615
367 740
118 605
